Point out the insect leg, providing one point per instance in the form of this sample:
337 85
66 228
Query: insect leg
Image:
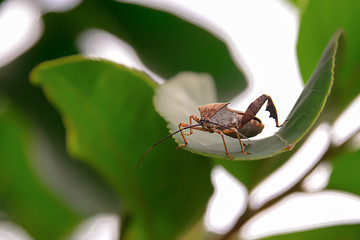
196 119
183 135
255 106
222 136
238 137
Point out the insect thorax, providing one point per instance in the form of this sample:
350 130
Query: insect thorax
209 110
227 118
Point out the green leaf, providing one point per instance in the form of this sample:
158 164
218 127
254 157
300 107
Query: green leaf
202 51
24 198
110 121
300 4
348 232
179 98
320 19
172 44
345 174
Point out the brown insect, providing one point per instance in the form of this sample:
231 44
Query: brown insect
219 118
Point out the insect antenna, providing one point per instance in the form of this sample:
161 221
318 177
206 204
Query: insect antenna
196 125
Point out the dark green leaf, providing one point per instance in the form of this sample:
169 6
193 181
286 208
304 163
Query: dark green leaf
345 174
319 21
346 232
166 43
110 121
23 196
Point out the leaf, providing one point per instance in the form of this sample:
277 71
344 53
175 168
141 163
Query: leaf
202 52
179 98
24 198
313 35
172 44
300 4
348 232
85 185
110 121
345 174
319 20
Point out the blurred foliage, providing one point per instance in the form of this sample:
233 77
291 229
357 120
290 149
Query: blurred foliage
348 232
318 22
60 165
110 131
23 196
344 176
165 43
300 4
177 46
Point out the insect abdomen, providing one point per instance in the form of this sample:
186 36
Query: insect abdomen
252 128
